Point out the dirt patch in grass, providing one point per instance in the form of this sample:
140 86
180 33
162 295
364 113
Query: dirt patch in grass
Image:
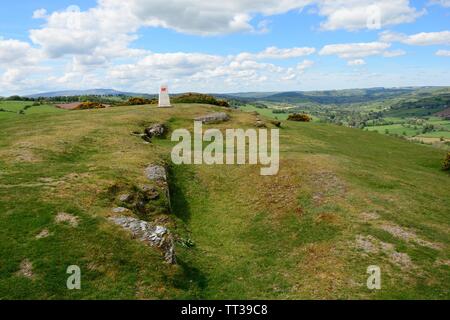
21 152
63 217
409 236
401 259
326 185
369 216
325 269
330 218
26 269
371 245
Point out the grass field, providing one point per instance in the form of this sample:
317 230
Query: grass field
11 109
344 199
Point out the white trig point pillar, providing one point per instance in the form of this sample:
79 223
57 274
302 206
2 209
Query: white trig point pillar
164 99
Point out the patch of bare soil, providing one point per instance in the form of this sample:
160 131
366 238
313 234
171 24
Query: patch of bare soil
370 244
26 269
280 193
327 184
409 236
369 216
401 259
43 234
63 217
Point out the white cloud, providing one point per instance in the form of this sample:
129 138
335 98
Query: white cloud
276 53
76 32
207 17
366 14
394 53
444 3
356 62
17 52
419 39
40 14
443 53
355 50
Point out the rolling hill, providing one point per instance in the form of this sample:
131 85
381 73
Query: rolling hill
344 199
91 92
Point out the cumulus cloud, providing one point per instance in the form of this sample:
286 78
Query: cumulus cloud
276 53
207 17
366 14
355 50
444 3
356 62
443 53
17 52
76 32
419 39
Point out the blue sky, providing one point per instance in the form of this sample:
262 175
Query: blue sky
245 45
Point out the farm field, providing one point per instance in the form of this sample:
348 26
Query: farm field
308 233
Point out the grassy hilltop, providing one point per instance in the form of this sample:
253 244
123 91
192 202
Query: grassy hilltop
344 199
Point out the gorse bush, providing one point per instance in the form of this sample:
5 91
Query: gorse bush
90 105
140 101
299 117
200 98
446 163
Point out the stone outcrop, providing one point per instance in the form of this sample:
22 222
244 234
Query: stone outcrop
153 235
156 173
214 118
157 130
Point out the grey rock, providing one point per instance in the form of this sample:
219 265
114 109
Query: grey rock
156 173
260 124
214 118
120 210
156 236
124 197
157 130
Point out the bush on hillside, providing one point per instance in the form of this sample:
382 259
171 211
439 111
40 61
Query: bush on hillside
90 105
140 101
299 117
200 98
446 163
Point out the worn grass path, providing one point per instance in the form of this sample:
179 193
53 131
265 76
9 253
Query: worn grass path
344 199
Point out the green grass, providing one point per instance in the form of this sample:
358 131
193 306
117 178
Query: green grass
291 236
265 112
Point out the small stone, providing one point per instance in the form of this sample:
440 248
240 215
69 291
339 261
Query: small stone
156 173
63 217
260 124
157 130
124 197
43 234
120 210
26 269
213 118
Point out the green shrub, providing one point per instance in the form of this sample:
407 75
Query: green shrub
140 101
446 163
200 98
299 117
90 105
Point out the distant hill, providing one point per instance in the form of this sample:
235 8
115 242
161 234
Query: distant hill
91 92
338 96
